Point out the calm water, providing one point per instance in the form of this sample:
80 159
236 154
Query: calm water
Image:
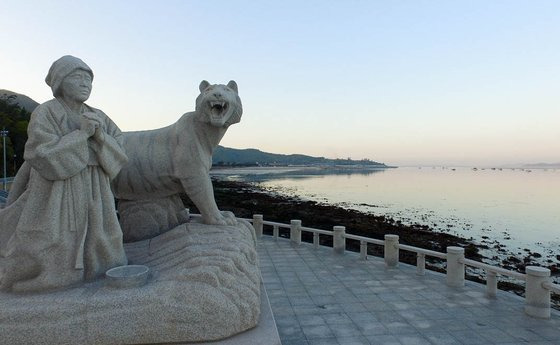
516 208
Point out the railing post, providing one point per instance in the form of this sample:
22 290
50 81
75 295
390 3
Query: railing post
295 231
455 266
339 242
391 250
420 264
275 231
491 284
258 224
315 240
537 298
363 250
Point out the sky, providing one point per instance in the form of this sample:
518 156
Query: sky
399 82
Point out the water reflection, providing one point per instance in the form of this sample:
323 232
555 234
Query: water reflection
295 173
515 208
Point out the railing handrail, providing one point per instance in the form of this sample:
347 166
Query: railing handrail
317 231
552 287
498 270
365 239
281 225
426 252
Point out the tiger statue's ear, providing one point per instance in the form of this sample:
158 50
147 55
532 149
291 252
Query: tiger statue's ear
203 85
232 85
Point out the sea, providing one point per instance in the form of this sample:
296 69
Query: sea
512 211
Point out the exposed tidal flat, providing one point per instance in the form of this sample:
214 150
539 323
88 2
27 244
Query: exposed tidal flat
502 217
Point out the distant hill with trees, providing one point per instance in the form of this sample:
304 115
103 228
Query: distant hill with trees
224 156
22 100
15 110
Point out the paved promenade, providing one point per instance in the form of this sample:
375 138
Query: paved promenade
318 297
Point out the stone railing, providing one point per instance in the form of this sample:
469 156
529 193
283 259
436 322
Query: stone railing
538 284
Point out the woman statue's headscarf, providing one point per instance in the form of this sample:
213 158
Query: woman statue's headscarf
62 68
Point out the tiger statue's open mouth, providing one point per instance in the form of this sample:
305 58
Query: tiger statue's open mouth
220 104
218 109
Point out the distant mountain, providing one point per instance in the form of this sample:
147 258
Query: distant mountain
532 166
22 100
542 165
228 156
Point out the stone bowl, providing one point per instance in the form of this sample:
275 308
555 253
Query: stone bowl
127 276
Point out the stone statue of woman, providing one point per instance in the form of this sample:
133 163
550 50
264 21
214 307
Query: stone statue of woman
59 227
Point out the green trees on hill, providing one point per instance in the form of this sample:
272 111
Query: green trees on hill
14 119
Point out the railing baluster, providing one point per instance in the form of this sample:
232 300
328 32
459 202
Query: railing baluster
339 242
455 266
491 284
420 264
537 297
295 231
363 250
258 224
391 250
316 240
275 231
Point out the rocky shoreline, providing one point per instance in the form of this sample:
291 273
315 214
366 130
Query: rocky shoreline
245 199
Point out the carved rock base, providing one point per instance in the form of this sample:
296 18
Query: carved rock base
144 219
204 285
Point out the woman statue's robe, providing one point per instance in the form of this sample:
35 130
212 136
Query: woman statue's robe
60 227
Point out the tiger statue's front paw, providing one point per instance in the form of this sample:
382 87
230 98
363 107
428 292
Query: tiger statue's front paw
220 218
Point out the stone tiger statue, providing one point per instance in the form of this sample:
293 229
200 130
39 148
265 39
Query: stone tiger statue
167 161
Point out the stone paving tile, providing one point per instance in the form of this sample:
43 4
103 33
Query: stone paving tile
497 336
413 339
290 332
310 320
345 330
383 340
355 340
353 307
286 321
319 297
323 299
361 315
377 306
396 327
468 337
295 341
549 333
441 338
524 334
371 327
324 341
336 318
317 331
435 313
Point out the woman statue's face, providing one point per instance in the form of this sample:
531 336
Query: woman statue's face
76 86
